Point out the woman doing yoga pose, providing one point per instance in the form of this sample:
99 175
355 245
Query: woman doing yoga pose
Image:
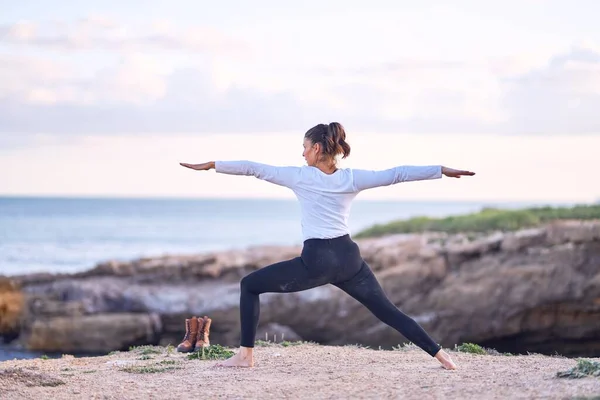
329 255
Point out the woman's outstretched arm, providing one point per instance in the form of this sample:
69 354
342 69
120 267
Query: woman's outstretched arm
284 176
365 179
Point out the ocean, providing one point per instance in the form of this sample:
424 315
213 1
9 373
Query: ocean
74 234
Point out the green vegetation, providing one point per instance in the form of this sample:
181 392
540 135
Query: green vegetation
583 369
212 352
487 220
287 343
150 369
471 348
146 350
405 346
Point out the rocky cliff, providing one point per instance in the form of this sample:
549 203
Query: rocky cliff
534 290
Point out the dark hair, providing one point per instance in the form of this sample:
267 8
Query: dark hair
332 138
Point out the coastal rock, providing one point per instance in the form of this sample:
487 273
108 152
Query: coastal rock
517 241
93 333
560 232
11 308
535 290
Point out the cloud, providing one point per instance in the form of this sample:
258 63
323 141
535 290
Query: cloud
561 97
101 33
141 94
184 101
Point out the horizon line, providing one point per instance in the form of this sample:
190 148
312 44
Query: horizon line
230 198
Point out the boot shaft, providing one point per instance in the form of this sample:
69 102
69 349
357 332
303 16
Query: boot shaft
191 328
203 337
206 328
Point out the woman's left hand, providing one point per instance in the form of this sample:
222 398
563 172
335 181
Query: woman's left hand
456 173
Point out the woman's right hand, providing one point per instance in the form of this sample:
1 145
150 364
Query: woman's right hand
456 173
199 167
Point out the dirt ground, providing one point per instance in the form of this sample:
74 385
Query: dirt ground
305 371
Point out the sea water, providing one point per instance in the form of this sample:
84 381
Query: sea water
74 234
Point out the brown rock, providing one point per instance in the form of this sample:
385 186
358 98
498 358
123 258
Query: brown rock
560 232
11 308
93 333
534 290
459 253
517 241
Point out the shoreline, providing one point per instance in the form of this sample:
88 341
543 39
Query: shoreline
22 355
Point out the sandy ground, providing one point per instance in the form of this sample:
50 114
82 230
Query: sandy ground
304 371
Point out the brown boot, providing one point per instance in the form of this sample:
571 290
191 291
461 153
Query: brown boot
202 340
191 332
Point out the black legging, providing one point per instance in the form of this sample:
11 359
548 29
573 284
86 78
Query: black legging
335 261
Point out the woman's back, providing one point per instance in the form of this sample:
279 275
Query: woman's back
325 199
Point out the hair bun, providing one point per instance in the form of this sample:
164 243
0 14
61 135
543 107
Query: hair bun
332 138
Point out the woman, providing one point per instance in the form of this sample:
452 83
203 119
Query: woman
329 255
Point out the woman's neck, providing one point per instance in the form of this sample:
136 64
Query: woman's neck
326 167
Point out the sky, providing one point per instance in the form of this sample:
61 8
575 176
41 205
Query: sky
105 98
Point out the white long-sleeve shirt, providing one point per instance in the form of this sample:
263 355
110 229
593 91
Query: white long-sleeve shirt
325 200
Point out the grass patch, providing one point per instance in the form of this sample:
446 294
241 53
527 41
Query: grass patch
405 346
162 366
471 348
146 350
213 352
358 346
287 343
147 369
146 357
263 343
91 371
44 357
485 221
583 369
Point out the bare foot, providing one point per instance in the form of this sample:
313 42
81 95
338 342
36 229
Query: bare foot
445 359
243 358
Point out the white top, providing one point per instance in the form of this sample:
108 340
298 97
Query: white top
325 200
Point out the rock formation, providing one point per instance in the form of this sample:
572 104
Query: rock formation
535 290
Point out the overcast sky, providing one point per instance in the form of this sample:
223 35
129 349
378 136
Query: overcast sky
101 97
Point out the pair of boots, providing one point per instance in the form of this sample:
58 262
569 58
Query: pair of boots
196 337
